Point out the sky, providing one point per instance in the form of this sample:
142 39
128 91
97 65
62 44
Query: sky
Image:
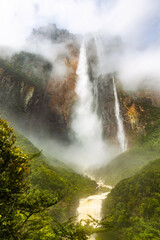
133 20
136 22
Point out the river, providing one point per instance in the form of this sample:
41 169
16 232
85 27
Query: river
92 206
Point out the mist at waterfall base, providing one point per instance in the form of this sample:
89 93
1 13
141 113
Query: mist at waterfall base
77 155
86 125
87 149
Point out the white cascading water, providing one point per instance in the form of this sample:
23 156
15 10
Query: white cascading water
120 133
102 68
92 206
87 129
86 125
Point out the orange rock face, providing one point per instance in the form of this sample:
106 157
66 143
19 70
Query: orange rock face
62 91
136 110
133 115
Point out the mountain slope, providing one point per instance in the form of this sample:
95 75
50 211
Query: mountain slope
57 178
146 149
133 205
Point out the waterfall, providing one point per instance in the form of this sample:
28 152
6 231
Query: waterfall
92 206
120 133
100 54
86 125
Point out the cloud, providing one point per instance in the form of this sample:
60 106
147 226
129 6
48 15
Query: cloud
127 18
16 21
138 68
136 22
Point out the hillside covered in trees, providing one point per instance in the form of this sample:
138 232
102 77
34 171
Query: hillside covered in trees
132 207
32 192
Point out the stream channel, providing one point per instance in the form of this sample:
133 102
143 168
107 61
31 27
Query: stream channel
92 206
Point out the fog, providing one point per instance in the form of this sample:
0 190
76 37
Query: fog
127 18
140 68
53 52
135 68
126 35
82 158
136 23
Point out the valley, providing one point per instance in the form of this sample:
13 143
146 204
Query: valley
79 151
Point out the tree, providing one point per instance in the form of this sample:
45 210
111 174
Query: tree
18 202
24 209
14 169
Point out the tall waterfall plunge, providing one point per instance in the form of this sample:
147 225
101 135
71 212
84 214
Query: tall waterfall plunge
87 149
120 133
105 66
86 125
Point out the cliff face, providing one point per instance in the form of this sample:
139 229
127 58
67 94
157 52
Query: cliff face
33 66
60 97
138 110
19 99
47 108
107 107
51 32
103 93
34 96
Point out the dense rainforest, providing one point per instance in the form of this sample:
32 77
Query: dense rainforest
36 196
132 207
32 192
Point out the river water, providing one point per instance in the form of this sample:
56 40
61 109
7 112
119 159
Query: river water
92 206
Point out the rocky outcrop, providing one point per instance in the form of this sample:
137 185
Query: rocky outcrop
32 65
103 94
138 110
136 107
34 97
60 97
20 100
51 32
107 107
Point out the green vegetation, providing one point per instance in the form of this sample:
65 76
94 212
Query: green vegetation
28 199
32 65
18 202
145 150
17 74
57 178
133 206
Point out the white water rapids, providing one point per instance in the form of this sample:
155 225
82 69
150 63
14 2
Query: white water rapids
120 133
92 206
